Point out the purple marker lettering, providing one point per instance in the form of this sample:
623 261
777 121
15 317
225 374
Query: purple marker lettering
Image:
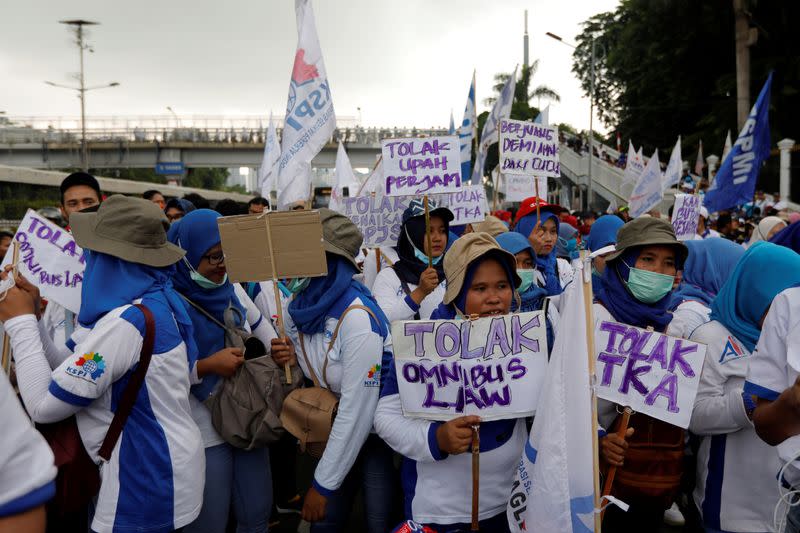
471 398
411 373
34 222
430 401
668 388
466 353
659 352
517 368
418 329
631 377
497 337
610 361
495 398
518 338
447 330
450 373
678 351
613 330
631 336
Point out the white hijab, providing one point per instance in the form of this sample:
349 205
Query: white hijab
762 230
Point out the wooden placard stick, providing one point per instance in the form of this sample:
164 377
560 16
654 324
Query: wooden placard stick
536 188
378 260
428 230
612 471
277 291
476 478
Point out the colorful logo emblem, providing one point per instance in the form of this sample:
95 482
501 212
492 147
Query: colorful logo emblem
89 366
373 376
303 72
731 352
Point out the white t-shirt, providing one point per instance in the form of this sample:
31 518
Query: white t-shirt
397 305
388 258
735 486
354 376
154 479
775 365
687 317
26 462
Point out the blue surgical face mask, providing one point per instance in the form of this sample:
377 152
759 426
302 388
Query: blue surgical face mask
206 283
296 285
420 255
526 275
203 281
648 287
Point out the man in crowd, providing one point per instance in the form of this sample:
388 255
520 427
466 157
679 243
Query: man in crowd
257 205
79 190
156 197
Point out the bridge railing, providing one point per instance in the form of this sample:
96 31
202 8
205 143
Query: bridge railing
250 130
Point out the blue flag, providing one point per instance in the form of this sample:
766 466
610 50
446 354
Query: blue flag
466 131
736 179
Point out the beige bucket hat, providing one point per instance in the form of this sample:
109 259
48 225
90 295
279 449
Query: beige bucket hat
463 252
340 236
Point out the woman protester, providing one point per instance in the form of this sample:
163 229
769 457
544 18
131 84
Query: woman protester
436 472
153 480
600 242
552 274
635 289
234 476
731 455
765 230
412 289
343 335
707 268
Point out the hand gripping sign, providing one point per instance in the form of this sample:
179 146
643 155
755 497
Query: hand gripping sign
493 367
651 372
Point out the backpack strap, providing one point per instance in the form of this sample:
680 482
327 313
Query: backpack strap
336 334
203 312
308 363
407 290
133 387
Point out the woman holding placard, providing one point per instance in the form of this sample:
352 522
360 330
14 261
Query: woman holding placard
414 286
708 266
635 289
343 336
538 222
235 477
731 454
480 282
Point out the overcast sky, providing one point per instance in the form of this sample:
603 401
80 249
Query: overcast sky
404 63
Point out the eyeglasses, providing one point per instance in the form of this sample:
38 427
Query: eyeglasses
214 259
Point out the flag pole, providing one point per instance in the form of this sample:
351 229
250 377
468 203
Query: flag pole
587 304
428 230
476 476
277 291
612 472
5 359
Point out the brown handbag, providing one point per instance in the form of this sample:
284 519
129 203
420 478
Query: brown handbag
308 413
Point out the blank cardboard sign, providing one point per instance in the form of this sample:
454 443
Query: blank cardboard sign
296 242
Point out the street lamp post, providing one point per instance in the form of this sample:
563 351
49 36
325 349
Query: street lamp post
82 88
591 115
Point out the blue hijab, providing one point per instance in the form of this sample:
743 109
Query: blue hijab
623 306
328 296
110 282
567 244
708 267
764 271
515 243
546 264
788 237
603 232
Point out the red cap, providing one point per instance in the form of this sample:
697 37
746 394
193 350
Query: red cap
528 206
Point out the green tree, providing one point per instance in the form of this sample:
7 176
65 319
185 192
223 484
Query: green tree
206 178
667 68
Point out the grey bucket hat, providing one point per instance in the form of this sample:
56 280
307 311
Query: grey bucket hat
132 229
463 252
340 236
648 231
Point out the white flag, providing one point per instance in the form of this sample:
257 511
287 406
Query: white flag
501 110
269 163
310 119
727 148
543 117
374 182
673 173
634 165
466 132
344 178
553 489
647 193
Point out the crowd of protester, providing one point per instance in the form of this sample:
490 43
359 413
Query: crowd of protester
138 374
